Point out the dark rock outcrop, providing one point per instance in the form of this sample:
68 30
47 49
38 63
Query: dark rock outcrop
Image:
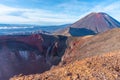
80 32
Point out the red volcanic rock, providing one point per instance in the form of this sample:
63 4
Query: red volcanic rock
21 55
33 40
29 54
104 67
88 58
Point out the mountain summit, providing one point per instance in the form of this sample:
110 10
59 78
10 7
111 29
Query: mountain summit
91 24
97 22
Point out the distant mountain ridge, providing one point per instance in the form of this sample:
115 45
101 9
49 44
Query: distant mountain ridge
26 28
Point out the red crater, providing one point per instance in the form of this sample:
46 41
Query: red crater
29 54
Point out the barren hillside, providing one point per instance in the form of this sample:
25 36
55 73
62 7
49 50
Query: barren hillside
104 67
86 58
80 48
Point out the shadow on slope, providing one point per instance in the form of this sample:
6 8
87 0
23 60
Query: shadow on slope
80 32
84 47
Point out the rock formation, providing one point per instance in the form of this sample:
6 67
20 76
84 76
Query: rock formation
29 54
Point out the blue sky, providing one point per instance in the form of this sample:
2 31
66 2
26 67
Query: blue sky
54 12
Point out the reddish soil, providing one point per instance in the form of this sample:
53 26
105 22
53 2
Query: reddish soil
86 58
80 48
104 67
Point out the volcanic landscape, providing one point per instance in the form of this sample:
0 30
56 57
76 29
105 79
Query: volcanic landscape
88 49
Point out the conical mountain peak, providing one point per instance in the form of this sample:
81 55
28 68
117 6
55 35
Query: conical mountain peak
94 22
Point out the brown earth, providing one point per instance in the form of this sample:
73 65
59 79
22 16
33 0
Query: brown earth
37 53
83 47
104 67
86 58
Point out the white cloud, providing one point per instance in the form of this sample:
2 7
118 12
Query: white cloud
32 16
106 7
5 9
74 7
81 9
70 12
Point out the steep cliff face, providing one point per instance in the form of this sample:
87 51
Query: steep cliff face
29 54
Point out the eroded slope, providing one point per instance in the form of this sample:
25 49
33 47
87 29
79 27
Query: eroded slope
104 67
